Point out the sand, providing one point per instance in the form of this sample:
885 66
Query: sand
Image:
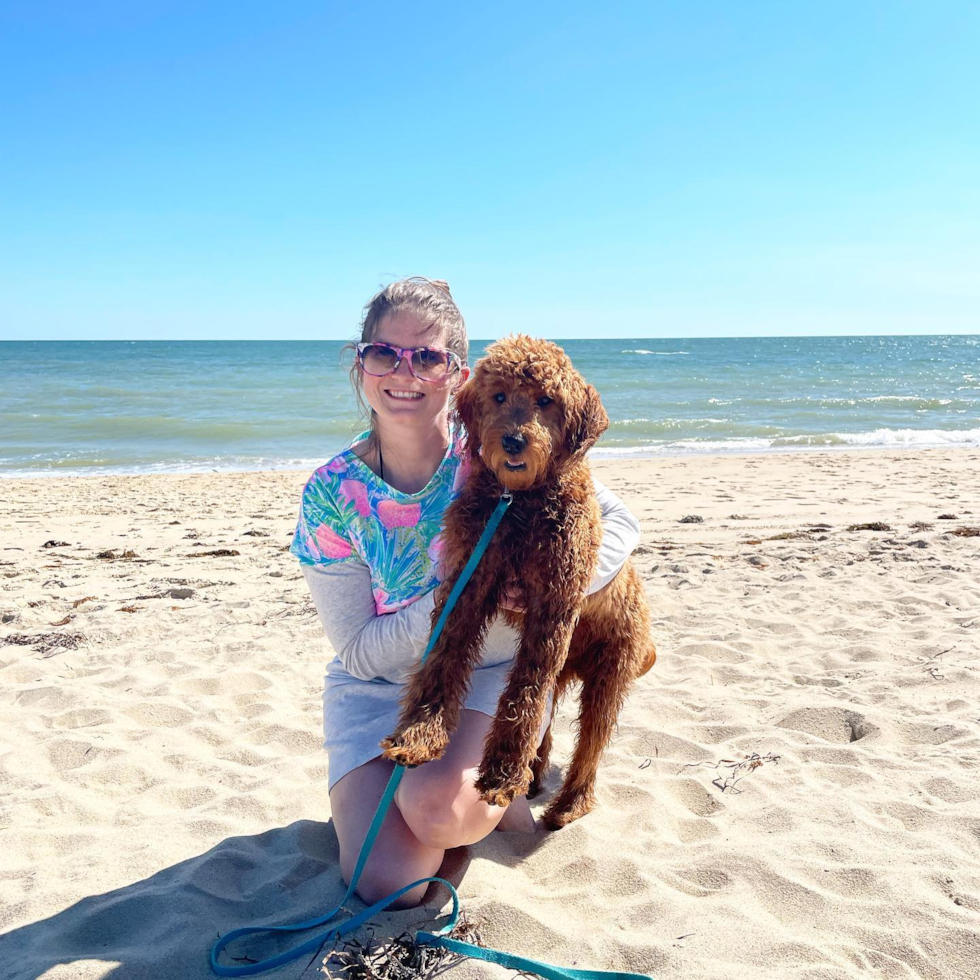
163 780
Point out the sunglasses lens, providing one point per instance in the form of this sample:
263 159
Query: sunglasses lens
431 364
377 359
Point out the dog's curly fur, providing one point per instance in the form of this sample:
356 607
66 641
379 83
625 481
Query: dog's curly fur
530 418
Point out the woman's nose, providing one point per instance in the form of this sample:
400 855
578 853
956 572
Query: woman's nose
404 369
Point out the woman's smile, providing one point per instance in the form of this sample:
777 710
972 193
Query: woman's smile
404 395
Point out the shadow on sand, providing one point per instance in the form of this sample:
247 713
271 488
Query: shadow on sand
164 926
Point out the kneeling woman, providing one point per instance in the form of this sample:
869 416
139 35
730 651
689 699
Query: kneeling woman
368 539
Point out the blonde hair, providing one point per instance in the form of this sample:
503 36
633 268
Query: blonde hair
431 303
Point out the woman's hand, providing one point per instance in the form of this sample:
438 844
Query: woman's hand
512 598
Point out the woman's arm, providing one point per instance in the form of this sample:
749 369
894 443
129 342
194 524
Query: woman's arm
620 536
389 646
367 644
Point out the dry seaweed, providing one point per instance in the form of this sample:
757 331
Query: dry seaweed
872 526
401 958
45 641
966 532
736 770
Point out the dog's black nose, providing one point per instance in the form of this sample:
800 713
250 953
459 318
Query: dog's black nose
513 445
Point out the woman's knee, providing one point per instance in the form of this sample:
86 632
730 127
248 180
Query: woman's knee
433 809
373 885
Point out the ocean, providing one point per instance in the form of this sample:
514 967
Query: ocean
88 407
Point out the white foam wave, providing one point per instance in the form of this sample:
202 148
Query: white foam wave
172 467
874 439
912 438
662 353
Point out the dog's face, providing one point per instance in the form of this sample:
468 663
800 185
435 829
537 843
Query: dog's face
528 412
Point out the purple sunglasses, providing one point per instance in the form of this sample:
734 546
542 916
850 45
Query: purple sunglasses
426 363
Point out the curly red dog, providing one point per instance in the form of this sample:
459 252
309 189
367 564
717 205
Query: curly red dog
530 418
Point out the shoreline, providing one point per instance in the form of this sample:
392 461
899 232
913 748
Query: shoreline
604 458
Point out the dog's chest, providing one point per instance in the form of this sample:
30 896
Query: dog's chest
535 528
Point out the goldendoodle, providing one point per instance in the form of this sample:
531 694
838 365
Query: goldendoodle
530 418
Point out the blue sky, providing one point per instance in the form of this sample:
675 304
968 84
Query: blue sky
251 170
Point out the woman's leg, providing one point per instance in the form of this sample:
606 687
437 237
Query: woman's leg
439 801
398 857
436 807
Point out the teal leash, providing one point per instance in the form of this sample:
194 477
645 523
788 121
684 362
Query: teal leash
440 938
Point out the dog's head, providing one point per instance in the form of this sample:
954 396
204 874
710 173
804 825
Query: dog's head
528 412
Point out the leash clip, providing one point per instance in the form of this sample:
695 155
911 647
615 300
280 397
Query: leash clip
508 496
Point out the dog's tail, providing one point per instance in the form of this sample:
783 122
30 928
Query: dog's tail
649 660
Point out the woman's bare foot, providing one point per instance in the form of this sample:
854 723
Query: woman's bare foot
518 817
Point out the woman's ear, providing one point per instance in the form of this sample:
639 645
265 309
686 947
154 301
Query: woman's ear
465 403
587 421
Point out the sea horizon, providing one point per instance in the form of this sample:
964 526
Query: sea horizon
95 407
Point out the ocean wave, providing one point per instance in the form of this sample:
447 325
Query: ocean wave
95 467
872 439
653 426
662 353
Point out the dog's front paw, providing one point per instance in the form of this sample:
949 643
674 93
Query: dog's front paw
500 786
416 744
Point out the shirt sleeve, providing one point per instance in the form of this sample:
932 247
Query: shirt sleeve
620 536
321 536
368 645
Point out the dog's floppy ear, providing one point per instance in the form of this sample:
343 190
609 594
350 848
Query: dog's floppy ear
464 409
586 422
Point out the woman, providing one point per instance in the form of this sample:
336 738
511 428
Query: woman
368 540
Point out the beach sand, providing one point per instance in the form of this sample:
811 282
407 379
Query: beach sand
163 780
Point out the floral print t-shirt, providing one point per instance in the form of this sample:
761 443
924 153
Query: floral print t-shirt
348 513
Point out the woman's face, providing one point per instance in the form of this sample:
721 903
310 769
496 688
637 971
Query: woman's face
400 398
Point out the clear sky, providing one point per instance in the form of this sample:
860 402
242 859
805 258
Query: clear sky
650 169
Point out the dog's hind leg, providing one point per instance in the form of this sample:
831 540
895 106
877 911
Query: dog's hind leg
540 764
603 692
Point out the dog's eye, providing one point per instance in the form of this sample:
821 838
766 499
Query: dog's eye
544 401
500 398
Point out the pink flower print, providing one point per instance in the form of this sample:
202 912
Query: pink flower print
435 552
355 492
462 472
384 602
394 515
332 545
337 465
312 548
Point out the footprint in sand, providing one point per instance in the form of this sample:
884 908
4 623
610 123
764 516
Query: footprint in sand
154 715
79 718
694 797
830 724
65 754
699 882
